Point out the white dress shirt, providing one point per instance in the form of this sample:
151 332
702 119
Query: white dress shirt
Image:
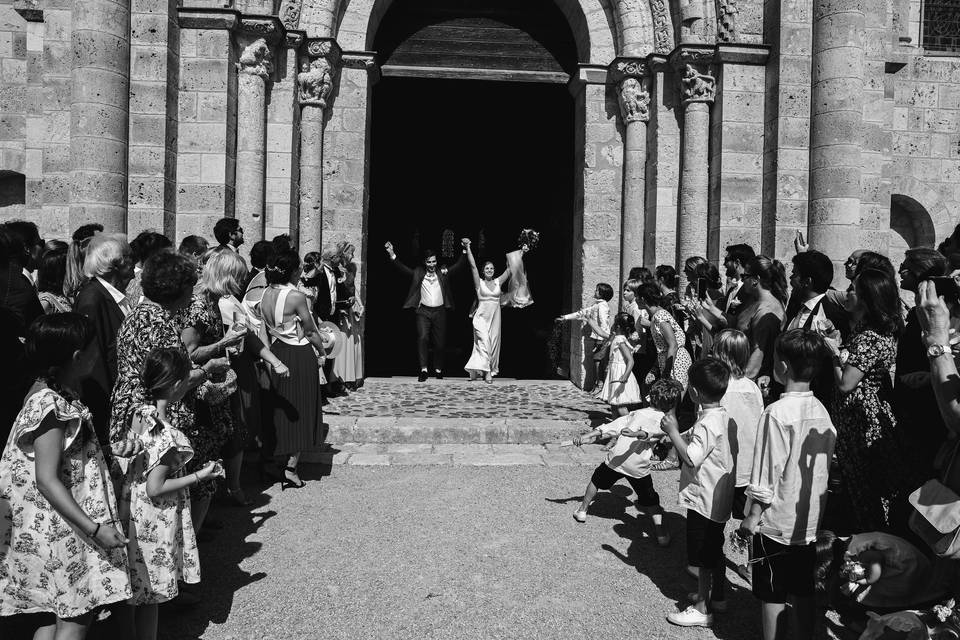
732 295
118 296
707 486
791 465
599 311
801 318
631 456
431 295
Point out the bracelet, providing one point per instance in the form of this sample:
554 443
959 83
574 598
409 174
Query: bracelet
96 530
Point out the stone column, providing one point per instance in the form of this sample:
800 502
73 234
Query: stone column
632 77
836 127
255 69
697 90
99 113
318 69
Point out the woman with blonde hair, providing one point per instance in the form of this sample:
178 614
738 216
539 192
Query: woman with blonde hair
348 366
215 314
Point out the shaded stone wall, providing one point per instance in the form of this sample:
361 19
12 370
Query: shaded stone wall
19 104
663 169
283 116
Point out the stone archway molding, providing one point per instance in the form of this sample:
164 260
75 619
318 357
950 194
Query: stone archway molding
927 197
603 29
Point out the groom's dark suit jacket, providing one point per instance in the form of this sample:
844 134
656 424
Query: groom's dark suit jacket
416 279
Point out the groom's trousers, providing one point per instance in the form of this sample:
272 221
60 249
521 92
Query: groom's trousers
431 333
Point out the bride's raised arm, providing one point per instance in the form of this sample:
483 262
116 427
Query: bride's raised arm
472 261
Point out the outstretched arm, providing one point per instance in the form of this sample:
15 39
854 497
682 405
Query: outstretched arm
393 259
472 261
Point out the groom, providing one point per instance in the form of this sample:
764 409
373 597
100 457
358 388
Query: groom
430 295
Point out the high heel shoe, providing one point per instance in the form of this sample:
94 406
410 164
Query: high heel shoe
288 482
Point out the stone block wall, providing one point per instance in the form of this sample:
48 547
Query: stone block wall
206 142
154 81
14 109
55 179
736 164
786 132
283 116
663 170
926 138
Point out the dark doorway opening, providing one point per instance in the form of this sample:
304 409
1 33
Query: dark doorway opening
481 159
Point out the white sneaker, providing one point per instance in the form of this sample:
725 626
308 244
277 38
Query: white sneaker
580 516
718 606
690 617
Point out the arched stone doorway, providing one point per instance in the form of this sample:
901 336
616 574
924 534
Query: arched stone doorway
472 134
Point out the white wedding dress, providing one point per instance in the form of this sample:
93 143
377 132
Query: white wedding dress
486 330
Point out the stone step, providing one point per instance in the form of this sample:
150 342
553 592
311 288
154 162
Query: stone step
550 455
415 430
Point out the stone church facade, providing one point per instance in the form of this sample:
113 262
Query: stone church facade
699 123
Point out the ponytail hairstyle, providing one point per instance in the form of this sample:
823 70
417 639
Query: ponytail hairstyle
771 274
668 274
623 324
53 339
163 368
281 266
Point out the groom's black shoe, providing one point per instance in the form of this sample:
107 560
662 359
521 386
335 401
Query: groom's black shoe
439 375
422 377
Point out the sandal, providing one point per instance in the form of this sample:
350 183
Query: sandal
665 465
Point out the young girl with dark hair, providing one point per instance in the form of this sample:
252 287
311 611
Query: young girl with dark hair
876 461
56 556
155 500
620 388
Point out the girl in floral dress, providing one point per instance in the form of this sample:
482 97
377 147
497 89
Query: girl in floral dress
155 500
61 551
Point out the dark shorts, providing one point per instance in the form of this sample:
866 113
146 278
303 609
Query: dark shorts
739 503
780 570
704 541
604 477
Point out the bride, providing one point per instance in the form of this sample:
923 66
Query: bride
485 359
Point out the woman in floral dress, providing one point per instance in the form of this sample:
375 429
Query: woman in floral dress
875 460
61 551
168 280
673 360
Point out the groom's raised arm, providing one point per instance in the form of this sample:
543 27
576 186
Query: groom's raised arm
395 261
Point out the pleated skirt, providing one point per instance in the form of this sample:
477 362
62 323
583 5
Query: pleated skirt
293 402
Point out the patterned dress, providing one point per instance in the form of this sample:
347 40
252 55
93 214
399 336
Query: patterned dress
874 458
147 327
47 564
213 423
681 361
162 547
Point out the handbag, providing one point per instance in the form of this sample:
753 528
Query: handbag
936 515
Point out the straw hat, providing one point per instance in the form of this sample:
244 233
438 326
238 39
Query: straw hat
334 340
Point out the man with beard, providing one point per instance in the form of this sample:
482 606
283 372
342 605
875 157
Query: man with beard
229 235
431 297
734 263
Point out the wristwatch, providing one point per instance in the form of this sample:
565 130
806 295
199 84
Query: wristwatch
937 350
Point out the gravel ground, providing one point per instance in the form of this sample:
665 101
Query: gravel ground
447 552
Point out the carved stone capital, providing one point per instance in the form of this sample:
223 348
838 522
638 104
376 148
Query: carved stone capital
268 28
697 55
622 68
256 59
696 86
634 100
318 68
289 13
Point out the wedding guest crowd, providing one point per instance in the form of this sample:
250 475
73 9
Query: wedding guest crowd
135 379
843 406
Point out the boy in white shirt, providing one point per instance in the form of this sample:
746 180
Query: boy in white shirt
706 486
629 458
788 489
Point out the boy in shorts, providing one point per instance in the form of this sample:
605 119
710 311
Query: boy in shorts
787 493
706 487
629 458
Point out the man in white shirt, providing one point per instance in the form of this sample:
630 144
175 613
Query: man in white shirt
788 488
734 264
431 297
810 307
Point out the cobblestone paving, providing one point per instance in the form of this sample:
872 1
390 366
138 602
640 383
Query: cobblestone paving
458 398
